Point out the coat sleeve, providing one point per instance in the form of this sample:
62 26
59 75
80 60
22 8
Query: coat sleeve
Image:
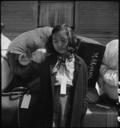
85 86
79 100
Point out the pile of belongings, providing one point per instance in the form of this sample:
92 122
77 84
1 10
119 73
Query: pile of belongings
108 80
6 76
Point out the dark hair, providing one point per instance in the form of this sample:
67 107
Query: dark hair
72 40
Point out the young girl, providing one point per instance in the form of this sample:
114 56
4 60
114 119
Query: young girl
63 78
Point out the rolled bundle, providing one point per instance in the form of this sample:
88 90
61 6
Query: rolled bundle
109 70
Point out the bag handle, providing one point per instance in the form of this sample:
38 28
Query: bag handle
21 90
16 91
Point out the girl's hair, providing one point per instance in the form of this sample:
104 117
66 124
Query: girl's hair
72 40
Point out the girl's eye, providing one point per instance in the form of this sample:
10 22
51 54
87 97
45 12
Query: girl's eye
63 40
55 42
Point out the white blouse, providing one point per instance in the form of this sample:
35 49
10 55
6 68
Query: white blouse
65 73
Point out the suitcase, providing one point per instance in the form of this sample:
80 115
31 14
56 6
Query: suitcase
10 107
13 114
92 54
98 115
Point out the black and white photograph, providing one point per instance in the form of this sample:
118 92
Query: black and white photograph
59 64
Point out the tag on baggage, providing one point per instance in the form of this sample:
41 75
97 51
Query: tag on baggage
26 101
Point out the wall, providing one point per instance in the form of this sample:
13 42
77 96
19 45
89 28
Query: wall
97 19
53 13
94 19
18 16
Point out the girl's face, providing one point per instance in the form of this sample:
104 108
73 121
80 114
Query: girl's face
60 41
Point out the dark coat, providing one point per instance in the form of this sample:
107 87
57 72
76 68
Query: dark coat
80 88
42 112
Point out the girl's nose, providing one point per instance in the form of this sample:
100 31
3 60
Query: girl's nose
60 44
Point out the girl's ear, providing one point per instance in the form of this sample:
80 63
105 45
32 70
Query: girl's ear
24 60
